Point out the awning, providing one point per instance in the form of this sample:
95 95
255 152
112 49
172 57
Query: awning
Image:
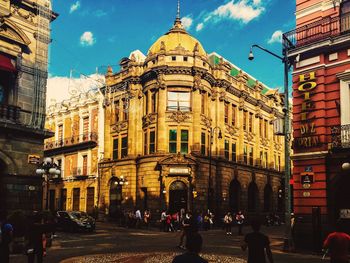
6 64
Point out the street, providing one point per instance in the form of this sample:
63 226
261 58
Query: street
114 244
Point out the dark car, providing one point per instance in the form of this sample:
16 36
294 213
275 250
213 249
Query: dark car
68 221
89 220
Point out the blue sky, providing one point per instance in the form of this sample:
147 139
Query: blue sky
89 33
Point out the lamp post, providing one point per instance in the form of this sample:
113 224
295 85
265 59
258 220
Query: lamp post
287 64
212 131
49 170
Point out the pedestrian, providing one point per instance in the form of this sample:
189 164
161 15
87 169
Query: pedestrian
258 245
138 218
228 223
200 221
211 220
147 218
240 221
194 246
338 244
189 225
169 224
163 223
6 233
36 245
206 222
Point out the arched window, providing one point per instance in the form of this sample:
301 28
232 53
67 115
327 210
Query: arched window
267 198
235 193
253 196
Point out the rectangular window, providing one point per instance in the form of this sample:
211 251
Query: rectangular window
234 154
179 101
279 163
185 58
173 58
261 159
147 102
85 128
203 103
125 110
76 199
172 141
85 161
152 142
261 127
90 200
275 162
63 201
124 147
233 115
227 149
115 149
184 141
266 160
226 113
60 132
203 143
251 154
245 113
154 102
245 154
117 111
145 143
250 122
266 129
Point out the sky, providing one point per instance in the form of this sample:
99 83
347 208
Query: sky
88 35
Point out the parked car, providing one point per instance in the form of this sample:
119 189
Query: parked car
85 218
68 221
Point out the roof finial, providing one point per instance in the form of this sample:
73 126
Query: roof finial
178 23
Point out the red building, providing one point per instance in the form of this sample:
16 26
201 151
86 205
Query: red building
320 45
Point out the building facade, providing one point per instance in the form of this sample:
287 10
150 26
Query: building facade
24 41
321 45
78 141
189 130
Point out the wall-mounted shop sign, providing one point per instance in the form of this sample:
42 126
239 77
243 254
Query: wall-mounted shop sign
179 170
307 178
344 213
33 159
308 135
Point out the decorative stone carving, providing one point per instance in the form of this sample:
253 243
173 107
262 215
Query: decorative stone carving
232 130
162 46
222 95
109 71
258 114
206 121
241 105
24 14
179 116
214 95
264 141
196 47
197 82
161 81
135 92
277 146
119 126
249 136
148 120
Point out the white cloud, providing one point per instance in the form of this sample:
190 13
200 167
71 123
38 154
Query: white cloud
199 27
100 13
87 39
276 37
242 11
187 22
63 88
74 7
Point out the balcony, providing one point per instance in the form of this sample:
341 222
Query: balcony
79 142
323 29
9 113
340 137
79 173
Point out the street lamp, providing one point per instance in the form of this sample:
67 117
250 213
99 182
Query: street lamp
287 64
48 170
212 131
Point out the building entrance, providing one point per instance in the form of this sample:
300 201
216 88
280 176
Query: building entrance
115 199
177 196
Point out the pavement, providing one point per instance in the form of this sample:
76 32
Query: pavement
115 244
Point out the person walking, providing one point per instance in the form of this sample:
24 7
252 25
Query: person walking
6 233
240 221
138 218
228 223
36 246
163 223
258 245
338 245
194 244
147 218
189 226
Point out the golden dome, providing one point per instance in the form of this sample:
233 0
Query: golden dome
177 38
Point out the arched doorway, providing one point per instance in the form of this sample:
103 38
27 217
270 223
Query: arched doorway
115 198
253 197
342 204
235 193
177 196
268 198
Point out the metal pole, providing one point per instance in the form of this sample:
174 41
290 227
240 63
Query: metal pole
47 192
287 194
209 179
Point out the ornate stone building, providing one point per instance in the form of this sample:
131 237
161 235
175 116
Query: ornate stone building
76 147
24 40
176 113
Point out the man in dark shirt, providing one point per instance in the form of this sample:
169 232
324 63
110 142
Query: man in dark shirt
194 243
258 244
36 240
6 231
